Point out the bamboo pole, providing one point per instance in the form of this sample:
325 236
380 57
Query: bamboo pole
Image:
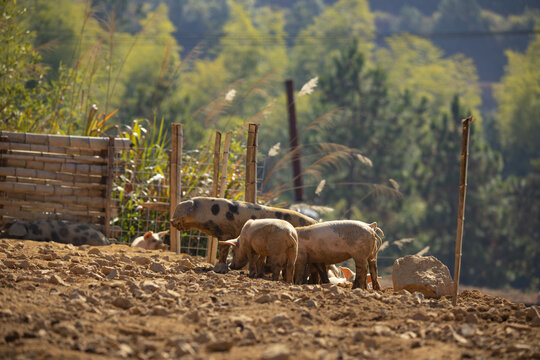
38 189
82 142
27 215
109 183
61 178
211 247
3 139
250 192
54 158
175 181
48 149
46 205
96 202
83 169
224 163
27 180
461 207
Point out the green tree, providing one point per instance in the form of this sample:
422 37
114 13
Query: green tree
518 99
22 84
332 30
415 63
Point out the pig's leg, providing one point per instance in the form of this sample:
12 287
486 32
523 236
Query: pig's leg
361 273
252 261
321 269
221 266
260 266
288 271
300 269
277 265
373 271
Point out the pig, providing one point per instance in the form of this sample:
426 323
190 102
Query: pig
272 238
151 241
57 231
224 219
333 242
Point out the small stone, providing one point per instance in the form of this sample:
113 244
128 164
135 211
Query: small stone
159 310
94 251
471 318
276 352
205 337
79 270
280 318
311 304
421 316
533 315
141 260
467 330
192 316
157 267
56 280
286 296
12 336
122 302
221 346
149 286
382 330
112 275
264 299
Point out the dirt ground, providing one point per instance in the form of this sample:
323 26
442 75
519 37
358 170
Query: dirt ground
59 301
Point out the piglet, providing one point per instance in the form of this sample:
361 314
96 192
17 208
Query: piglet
151 241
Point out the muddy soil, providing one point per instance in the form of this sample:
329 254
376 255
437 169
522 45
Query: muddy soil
59 301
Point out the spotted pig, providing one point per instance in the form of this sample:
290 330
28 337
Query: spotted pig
57 231
224 219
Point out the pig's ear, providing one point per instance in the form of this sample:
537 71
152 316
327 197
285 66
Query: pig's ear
163 233
373 225
233 242
183 209
347 273
148 236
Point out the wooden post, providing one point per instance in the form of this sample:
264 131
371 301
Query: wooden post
108 191
224 164
293 133
211 248
175 181
461 207
250 193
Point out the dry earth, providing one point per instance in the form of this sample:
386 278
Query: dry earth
64 302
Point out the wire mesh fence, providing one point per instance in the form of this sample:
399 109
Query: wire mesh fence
143 193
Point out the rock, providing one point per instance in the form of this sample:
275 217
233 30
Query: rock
79 270
276 352
279 318
421 316
425 274
467 330
533 315
241 320
112 275
311 304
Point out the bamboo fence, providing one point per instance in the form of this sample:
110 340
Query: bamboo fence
59 177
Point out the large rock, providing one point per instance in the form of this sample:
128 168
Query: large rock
422 273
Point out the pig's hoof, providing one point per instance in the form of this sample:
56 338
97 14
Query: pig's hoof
221 268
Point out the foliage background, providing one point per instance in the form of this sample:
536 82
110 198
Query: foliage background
380 130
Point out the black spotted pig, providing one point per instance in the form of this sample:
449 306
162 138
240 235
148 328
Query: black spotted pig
151 241
57 231
333 242
224 219
273 239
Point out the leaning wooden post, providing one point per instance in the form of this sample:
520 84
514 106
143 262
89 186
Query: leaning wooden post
461 208
108 191
225 162
211 248
175 181
250 193
295 150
